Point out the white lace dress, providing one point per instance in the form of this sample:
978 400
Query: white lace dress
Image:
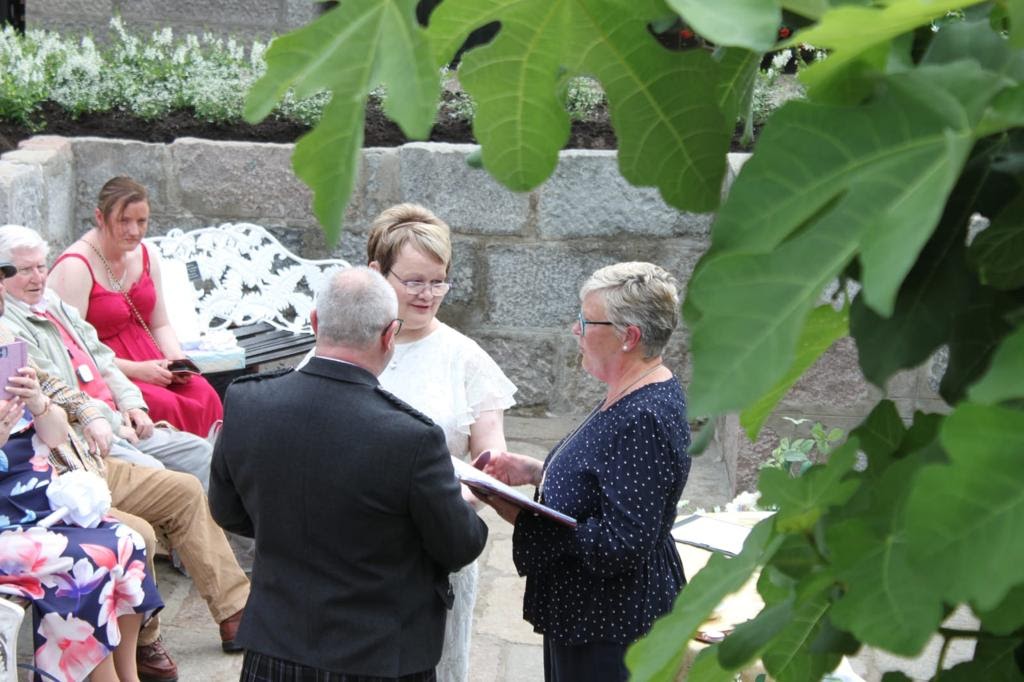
451 379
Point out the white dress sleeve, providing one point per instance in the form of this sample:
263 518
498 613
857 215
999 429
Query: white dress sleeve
482 385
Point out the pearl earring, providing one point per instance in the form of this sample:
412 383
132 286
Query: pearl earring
625 348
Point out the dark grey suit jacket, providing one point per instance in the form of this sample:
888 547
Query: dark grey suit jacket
358 519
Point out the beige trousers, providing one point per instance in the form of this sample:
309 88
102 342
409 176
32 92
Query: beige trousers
174 504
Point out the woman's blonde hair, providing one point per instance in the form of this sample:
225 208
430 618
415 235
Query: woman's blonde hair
117 194
408 224
639 294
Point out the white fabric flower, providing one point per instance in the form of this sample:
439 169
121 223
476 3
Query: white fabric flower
84 494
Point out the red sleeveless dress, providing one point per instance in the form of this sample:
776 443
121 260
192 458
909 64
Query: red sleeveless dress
193 406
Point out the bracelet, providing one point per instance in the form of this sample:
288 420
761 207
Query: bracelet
45 409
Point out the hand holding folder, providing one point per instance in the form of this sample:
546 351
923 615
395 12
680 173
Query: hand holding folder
485 486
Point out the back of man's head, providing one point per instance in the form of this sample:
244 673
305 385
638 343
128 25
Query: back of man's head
354 308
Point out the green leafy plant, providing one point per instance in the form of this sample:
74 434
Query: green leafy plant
796 455
913 123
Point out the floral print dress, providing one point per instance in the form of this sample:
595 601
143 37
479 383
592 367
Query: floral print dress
80 580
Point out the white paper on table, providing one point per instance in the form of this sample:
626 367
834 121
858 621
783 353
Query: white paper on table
714 535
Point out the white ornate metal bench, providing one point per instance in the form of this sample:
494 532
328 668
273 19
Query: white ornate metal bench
245 280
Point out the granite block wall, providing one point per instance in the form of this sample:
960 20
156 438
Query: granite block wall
519 258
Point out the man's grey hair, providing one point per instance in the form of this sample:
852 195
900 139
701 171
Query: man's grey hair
639 294
353 308
20 238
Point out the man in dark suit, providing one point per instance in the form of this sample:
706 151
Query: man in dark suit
352 499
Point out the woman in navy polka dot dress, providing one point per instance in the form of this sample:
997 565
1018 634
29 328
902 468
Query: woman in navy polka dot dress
593 590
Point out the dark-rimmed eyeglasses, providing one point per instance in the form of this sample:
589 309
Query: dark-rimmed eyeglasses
398 329
584 322
416 287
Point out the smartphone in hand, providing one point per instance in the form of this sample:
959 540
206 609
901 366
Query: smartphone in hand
13 356
183 366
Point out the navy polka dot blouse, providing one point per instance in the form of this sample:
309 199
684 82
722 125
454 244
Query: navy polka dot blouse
621 476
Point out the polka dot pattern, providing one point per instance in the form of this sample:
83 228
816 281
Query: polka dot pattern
621 476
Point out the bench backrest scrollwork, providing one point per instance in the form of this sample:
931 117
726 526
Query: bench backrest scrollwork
244 275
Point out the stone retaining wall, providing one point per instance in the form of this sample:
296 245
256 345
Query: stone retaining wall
519 258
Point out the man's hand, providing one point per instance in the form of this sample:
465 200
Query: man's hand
98 436
128 433
141 422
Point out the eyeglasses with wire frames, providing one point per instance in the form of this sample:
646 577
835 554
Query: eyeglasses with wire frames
416 287
584 322
398 329
28 270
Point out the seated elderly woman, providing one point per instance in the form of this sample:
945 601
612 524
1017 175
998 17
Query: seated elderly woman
89 586
593 590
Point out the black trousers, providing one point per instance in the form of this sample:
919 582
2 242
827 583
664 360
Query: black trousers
259 667
593 662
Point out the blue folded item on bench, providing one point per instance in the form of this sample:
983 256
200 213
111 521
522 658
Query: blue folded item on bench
218 360
216 351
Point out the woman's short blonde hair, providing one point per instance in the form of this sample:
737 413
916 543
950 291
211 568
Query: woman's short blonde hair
408 224
639 294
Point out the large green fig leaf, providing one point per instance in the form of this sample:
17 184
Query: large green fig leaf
348 51
802 501
994 661
885 604
812 9
934 291
964 519
659 655
789 658
749 639
873 178
663 104
849 32
1008 615
740 23
975 40
880 434
706 668
978 330
824 326
998 252
1016 11
1004 379
738 70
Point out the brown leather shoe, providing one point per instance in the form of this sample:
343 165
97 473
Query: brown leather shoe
155 664
228 630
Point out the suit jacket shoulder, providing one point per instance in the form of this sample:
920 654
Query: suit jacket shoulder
404 406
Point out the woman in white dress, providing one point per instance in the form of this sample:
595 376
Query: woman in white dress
440 372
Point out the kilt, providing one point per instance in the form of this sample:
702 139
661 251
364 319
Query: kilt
259 667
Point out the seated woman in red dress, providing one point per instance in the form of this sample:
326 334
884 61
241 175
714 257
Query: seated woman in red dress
109 276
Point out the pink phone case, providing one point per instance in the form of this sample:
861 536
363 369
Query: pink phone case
13 356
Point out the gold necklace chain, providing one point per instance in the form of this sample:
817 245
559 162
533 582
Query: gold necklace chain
117 283
119 287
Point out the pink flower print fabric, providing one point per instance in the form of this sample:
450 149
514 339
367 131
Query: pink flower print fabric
79 580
